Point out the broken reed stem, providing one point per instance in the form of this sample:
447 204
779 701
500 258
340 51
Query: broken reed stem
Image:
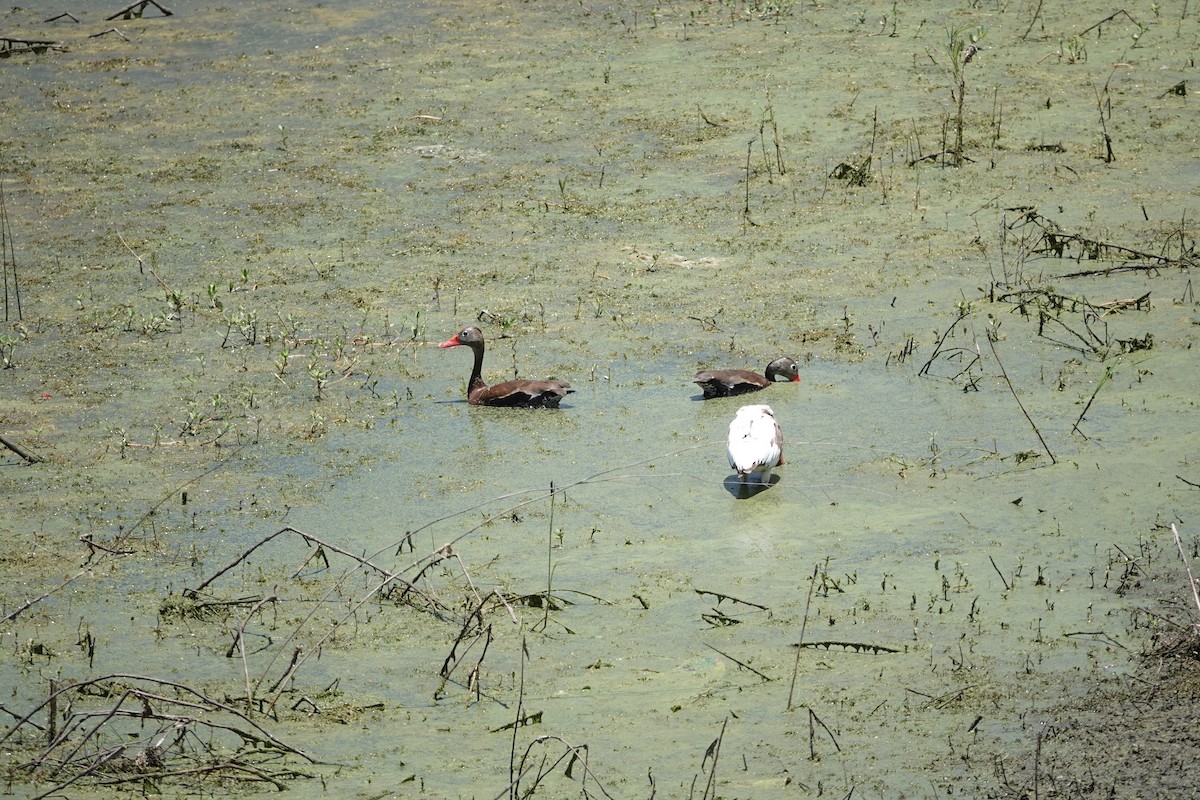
29 457
812 583
549 562
1020 405
1001 574
8 254
143 269
746 210
741 664
10 616
812 745
1108 373
937 348
1036 13
514 779
1108 148
1187 567
714 752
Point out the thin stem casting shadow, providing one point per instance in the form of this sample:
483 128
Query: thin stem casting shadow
1020 405
813 721
1108 373
812 585
713 752
1188 568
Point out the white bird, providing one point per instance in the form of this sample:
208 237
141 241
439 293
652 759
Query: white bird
755 443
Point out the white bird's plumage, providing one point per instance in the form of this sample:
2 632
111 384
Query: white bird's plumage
755 442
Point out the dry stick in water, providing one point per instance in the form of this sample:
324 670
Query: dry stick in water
514 779
572 750
714 750
549 562
135 10
174 492
1108 373
389 579
937 349
28 603
1187 567
259 735
741 664
998 572
812 747
1108 148
143 268
8 254
239 643
812 582
746 223
721 596
1037 13
1020 405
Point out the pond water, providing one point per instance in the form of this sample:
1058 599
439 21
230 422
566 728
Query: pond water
240 231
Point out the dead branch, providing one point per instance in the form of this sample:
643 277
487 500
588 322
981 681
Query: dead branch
742 664
11 47
858 647
29 457
937 349
1109 18
1187 567
158 736
17 612
135 10
1029 419
720 597
812 749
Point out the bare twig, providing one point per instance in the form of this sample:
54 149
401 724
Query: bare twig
963 312
1187 567
1020 405
1037 13
1109 18
1001 574
812 747
142 267
1108 373
741 664
812 584
9 617
21 451
136 9
713 752
8 253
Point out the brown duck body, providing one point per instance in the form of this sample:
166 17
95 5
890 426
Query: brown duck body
731 382
511 394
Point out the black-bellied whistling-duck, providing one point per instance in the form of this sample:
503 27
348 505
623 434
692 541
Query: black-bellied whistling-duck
730 382
515 394
755 443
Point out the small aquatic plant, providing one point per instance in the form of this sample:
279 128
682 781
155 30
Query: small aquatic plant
962 47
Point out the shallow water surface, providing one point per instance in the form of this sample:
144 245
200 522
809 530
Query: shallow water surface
241 231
